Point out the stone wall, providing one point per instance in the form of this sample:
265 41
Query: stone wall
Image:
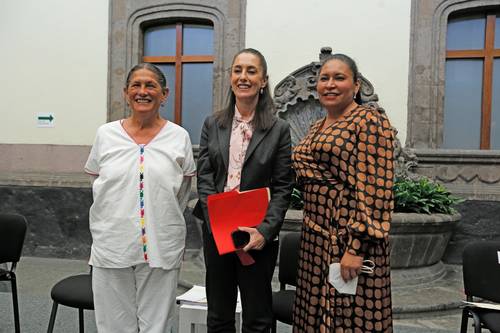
480 221
58 220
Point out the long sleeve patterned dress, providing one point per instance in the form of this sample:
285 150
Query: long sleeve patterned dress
346 171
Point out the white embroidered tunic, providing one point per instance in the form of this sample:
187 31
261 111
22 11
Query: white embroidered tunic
139 196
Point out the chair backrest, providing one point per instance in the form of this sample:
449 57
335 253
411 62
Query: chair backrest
289 258
12 232
481 268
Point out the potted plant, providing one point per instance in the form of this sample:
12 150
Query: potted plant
422 225
423 196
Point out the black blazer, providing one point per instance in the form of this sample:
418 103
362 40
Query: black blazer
267 164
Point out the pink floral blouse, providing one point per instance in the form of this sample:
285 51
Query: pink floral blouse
241 134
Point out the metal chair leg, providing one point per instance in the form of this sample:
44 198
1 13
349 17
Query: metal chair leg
465 320
273 327
477 322
15 304
81 324
52 318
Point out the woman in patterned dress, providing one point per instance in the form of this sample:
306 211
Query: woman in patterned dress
345 167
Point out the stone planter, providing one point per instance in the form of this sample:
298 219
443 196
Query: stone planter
293 220
419 240
418 244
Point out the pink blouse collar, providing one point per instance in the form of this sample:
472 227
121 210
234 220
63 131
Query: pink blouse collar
239 117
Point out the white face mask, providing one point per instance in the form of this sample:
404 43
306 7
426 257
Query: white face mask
349 287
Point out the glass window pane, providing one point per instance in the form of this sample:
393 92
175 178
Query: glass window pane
160 41
198 39
462 103
167 111
196 97
466 33
495 107
497 33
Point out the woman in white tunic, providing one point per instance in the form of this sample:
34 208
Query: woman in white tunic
143 167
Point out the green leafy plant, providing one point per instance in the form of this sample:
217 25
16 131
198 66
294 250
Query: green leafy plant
423 196
410 196
296 202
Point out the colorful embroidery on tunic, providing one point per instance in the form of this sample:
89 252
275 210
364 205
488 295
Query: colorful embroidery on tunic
141 201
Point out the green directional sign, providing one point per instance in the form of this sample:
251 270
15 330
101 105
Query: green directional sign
45 120
49 118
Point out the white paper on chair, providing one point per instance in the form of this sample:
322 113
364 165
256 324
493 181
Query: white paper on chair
489 306
195 295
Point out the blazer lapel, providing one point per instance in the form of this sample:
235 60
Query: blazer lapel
257 137
224 135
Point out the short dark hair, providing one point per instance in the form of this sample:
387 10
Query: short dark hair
265 110
350 63
162 80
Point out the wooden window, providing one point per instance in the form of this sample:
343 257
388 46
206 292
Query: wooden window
184 52
472 82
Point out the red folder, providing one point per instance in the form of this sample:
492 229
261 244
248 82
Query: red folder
229 210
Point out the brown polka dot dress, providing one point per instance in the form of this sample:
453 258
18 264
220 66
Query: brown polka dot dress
346 171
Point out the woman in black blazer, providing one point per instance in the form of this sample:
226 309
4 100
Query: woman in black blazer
244 146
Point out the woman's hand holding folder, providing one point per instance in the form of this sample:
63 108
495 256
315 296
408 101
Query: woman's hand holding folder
256 242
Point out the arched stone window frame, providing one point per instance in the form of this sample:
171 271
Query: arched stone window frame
470 173
427 67
128 18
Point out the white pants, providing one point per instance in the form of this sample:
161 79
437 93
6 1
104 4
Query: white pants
134 299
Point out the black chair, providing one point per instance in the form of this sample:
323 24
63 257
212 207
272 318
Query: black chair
12 233
74 291
287 275
481 268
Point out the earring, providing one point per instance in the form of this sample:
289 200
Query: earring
354 97
261 91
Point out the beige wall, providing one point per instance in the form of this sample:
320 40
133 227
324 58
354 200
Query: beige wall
376 33
53 59
55 54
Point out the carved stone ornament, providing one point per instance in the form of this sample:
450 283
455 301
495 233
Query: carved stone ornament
297 102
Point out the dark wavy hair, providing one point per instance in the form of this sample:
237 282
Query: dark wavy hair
160 77
265 110
352 66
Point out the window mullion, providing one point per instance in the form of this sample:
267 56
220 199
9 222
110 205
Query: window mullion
464 54
197 58
159 59
487 82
